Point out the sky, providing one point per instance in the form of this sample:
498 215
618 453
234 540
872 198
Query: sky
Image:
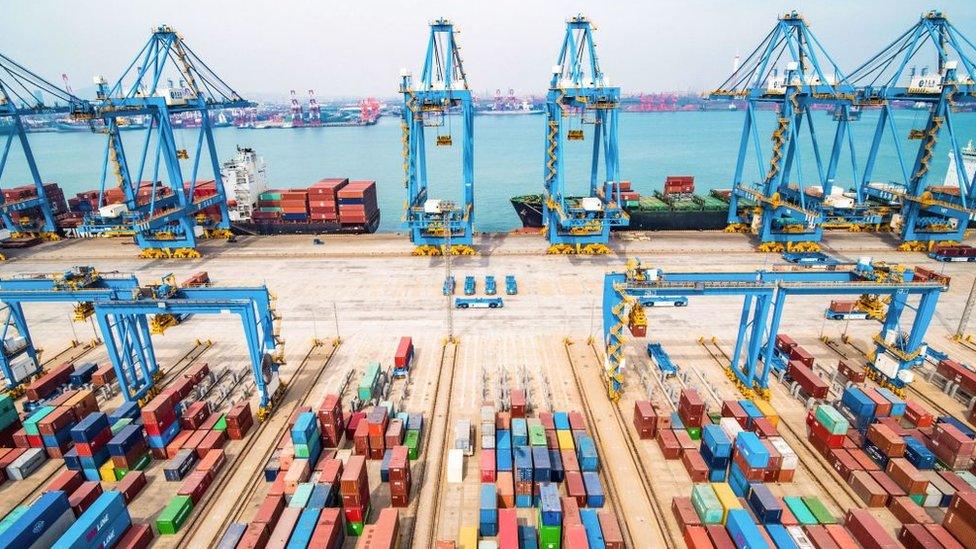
357 48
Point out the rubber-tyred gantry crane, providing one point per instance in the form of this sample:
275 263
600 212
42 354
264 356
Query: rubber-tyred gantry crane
580 94
432 102
930 214
791 71
166 79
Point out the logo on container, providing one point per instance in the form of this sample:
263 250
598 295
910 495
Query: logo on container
39 527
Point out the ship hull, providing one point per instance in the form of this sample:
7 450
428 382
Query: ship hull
266 228
671 220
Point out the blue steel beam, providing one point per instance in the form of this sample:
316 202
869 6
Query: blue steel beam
441 93
164 225
578 86
765 296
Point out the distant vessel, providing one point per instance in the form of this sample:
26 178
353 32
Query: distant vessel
678 208
508 105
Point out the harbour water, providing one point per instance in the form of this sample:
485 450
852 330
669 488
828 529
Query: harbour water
508 156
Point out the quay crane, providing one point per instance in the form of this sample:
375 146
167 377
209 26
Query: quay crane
314 110
791 71
123 309
580 93
165 222
765 294
438 226
22 94
930 214
297 120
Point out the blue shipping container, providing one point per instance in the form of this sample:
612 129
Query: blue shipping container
594 534
744 533
101 525
416 422
503 459
126 409
520 432
594 489
319 498
160 441
764 504
857 403
523 501
586 453
676 422
737 481
301 536
488 512
232 536
89 427
503 438
897 404
716 440
541 464
716 475
305 430
45 521
528 538
94 461
72 461
781 538
748 444
966 431
556 473
751 410
918 454
523 463
385 466
561 421
82 374
550 505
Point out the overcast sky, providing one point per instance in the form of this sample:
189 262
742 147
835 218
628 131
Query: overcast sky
358 47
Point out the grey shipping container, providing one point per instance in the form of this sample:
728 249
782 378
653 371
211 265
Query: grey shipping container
27 463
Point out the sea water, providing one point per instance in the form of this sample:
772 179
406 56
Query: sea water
509 155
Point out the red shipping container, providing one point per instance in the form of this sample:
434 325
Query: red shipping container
138 536
488 465
943 537
270 510
695 465
576 420
864 460
57 420
801 355
731 408
908 512
645 419
668 443
684 512
807 379
131 484
852 372
889 442
547 422
917 415
882 406
67 481
784 342
612 536
404 352
84 496
696 537
887 484
517 403
867 531
574 487
211 441
195 485
328 529
256 536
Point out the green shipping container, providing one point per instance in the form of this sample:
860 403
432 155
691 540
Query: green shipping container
694 433
270 209
354 528
537 435
832 420
300 498
302 451
819 510
30 424
652 204
221 424
706 503
173 516
550 537
368 383
917 498
120 424
12 517
800 510
269 196
412 441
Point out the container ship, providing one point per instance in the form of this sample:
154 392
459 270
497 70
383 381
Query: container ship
677 208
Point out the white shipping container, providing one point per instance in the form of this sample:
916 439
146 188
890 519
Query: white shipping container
112 210
488 429
488 414
455 466
790 459
488 442
933 496
27 463
591 204
343 455
800 537
731 427
4 234
487 544
22 368
432 206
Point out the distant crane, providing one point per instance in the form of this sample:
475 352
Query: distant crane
442 88
930 214
580 92
165 220
314 110
296 111
790 70
22 94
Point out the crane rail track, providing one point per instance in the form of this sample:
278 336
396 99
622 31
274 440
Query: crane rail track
801 445
192 355
633 452
75 351
244 495
430 538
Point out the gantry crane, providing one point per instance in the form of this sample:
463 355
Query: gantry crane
164 217
22 93
123 310
297 120
765 294
929 213
791 71
580 94
431 103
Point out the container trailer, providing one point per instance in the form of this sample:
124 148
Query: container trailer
478 302
469 285
511 286
663 301
491 288
449 285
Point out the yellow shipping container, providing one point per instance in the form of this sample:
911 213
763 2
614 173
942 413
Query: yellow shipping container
767 410
726 497
107 472
565 440
468 537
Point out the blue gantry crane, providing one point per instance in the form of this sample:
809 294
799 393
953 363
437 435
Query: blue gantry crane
122 308
160 204
929 213
765 294
791 71
436 225
580 94
82 286
24 93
